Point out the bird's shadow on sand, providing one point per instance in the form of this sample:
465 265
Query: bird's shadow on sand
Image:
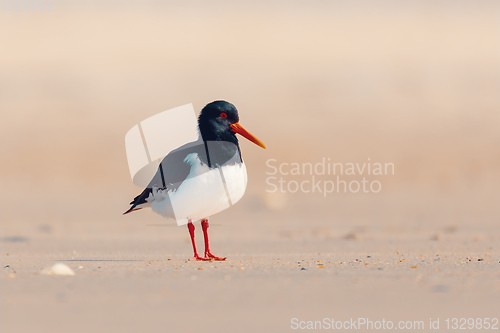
177 226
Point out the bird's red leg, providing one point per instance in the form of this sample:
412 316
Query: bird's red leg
208 253
191 233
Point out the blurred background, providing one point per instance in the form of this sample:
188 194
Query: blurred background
414 84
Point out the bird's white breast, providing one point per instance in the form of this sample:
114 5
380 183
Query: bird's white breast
204 193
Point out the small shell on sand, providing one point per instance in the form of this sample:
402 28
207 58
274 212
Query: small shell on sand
58 269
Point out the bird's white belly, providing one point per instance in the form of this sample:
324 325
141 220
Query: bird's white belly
204 193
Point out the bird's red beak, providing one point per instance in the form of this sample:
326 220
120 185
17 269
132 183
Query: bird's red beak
237 128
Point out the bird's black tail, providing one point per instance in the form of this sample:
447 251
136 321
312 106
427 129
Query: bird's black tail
139 200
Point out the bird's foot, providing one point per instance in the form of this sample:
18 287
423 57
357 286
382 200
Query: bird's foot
210 256
198 258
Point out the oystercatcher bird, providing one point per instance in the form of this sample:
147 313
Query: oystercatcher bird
201 178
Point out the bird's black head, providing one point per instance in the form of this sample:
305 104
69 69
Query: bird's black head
219 121
215 119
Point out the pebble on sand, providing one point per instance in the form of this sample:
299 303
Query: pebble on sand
58 269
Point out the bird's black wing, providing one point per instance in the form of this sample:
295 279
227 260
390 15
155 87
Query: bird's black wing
172 171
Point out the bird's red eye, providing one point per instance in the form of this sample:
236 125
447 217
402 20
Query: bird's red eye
223 115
